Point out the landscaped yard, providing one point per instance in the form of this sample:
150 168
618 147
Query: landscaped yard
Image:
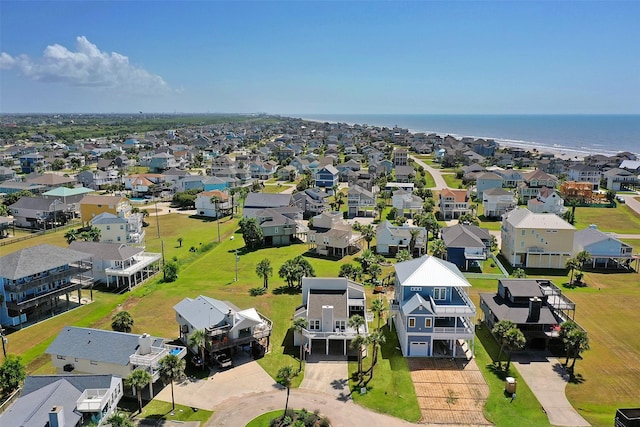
606 307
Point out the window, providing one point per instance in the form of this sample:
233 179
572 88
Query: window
275 230
340 325
314 325
61 357
439 293
523 231
416 289
412 322
427 322
108 227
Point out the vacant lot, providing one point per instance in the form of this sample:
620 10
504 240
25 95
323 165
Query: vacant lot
617 220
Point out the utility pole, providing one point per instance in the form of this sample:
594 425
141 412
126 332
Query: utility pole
4 341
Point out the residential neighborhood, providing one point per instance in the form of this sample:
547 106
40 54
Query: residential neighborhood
375 263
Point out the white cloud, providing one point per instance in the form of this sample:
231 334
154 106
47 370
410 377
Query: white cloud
87 66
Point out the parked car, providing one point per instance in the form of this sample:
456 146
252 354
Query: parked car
222 360
620 199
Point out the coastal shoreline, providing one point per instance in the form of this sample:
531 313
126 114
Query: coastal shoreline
560 151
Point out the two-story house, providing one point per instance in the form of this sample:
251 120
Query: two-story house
117 229
91 206
360 202
64 400
453 203
533 240
327 305
327 177
312 201
548 200
213 204
466 244
511 177
98 351
31 162
533 182
536 306
255 202
620 179
118 265
390 239
40 213
431 309
279 226
605 249
486 181
33 279
225 325
332 236
497 201
406 203
585 173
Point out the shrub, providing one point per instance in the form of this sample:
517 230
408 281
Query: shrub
254 292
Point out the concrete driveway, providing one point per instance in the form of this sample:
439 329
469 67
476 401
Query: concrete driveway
327 374
246 377
547 379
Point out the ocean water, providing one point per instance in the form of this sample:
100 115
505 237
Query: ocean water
579 134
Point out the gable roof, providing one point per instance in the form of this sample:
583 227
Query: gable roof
107 251
101 200
465 236
590 236
497 191
414 302
66 192
36 259
40 204
267 200
107 218
429 271
50 179
202 312
97 344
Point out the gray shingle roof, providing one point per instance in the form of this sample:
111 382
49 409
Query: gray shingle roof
465 236
39 204
107 218
504 309
96 344
202 312
36 259
106 251
320 297
266 200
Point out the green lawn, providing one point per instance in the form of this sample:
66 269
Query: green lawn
430 181
451 180
159 410
617 220
275 188
391 390
499 409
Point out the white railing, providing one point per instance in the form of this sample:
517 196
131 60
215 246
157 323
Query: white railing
461 330
92 400
346 334
157 353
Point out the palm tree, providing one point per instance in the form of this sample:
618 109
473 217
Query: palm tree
368 233
565 328
514 341
198 339
519 273
379 308
403 255
572 264
138 379
380 207
438 248
415 232
583 257
264 270
120 419
284 378
71 235
357 343
180 240
171 368
374 271
355 322
299 324
122 322
376 339
576 342
499 331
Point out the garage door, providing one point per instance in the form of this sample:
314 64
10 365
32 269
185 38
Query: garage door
419 349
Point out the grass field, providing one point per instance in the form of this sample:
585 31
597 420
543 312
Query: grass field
451 180
617 220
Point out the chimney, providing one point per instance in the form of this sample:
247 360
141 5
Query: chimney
56 417
535 304
144 344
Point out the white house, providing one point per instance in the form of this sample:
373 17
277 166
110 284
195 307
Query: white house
214 209
327 305
497 201
547 201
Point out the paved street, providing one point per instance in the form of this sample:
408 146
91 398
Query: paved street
435 173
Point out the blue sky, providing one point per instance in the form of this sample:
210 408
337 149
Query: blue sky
304 57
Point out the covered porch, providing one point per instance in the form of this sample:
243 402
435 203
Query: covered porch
132 272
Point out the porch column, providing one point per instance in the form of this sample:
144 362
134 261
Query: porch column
326 346
79 297
151 389
344 347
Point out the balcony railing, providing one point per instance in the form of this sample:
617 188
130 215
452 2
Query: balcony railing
460 330
348 333
49 278
36 299
93 400
156 354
